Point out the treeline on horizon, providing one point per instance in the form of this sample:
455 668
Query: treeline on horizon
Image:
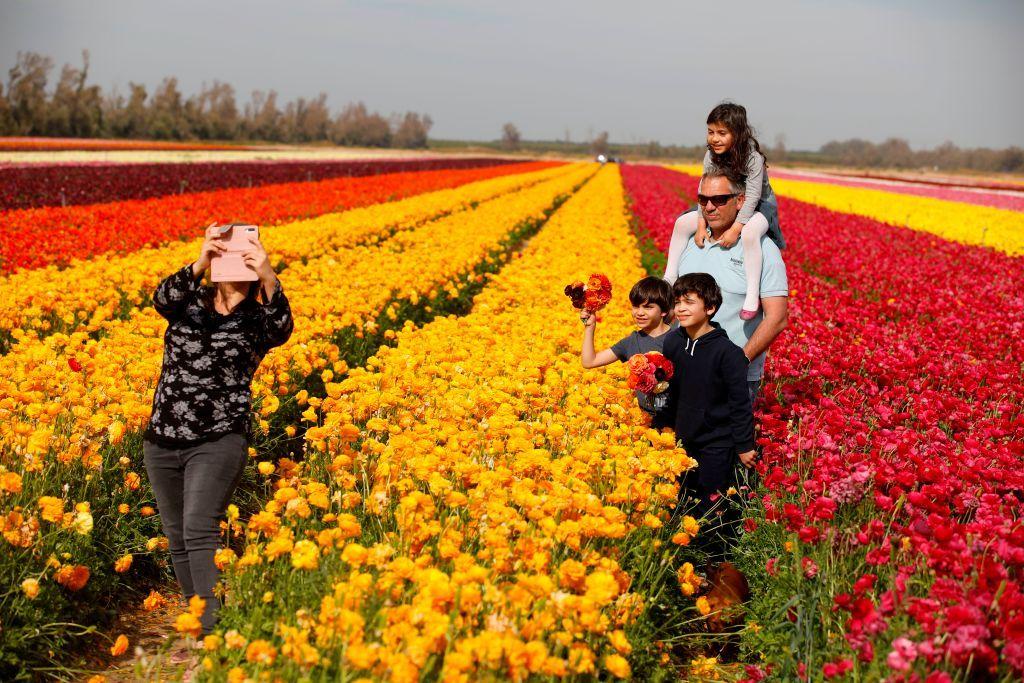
73 108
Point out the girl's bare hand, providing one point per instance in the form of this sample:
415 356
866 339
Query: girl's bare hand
729 237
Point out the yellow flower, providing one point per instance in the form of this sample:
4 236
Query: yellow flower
602 587
618 666
51 509
157 543
82 523
188 624
115 432
305 555
690 525
703 606
620 642
265 468
30 587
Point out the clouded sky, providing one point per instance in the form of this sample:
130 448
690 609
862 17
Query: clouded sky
925 70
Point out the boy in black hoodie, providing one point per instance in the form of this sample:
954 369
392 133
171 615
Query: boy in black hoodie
709 401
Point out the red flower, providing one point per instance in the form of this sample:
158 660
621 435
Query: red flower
74 364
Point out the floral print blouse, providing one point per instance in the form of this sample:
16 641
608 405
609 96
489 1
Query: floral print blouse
209 359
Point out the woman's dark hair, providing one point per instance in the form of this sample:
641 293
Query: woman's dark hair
701 284
734 161
652 290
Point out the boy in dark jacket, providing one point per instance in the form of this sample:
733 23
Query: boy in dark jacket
709 401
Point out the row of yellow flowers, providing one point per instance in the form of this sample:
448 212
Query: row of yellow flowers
90 292
473 504
72 407
1000 229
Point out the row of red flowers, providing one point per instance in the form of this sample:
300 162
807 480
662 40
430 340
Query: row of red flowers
34 185
892 432
53 235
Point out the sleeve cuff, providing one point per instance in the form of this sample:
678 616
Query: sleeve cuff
744 446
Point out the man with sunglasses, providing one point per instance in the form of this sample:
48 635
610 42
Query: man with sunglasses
720 200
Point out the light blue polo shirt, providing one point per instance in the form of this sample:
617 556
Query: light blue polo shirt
726 266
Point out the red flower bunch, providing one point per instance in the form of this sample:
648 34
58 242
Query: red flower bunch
649 372
592 296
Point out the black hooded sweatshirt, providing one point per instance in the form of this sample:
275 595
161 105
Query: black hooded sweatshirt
709 400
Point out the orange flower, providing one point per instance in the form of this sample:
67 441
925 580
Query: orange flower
10 482
74 577
260 652
120 646
153 601
123 563
224 557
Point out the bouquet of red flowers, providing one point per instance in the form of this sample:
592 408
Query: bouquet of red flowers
592 296
649 374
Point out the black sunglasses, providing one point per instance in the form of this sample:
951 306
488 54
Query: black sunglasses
716 199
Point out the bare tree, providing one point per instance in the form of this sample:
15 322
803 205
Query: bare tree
779 149
411 130
168 118
510 137
127 119
262 119
26 93
599 144
355 126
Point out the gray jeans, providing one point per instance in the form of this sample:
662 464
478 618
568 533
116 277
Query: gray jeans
193 487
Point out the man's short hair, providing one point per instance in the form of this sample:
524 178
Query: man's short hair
652 290
701 284
736 185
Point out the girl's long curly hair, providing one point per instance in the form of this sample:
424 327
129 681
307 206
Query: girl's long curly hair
734 161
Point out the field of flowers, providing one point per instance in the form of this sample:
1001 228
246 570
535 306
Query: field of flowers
439 491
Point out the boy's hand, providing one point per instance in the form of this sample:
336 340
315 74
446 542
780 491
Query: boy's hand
588 318
748 458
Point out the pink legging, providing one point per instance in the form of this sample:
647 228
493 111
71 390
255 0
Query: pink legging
750 239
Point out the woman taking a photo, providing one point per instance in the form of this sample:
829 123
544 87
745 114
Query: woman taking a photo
197 443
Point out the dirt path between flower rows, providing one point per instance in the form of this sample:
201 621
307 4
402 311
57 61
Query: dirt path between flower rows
155 651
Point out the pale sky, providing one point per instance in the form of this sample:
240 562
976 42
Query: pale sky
925 70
